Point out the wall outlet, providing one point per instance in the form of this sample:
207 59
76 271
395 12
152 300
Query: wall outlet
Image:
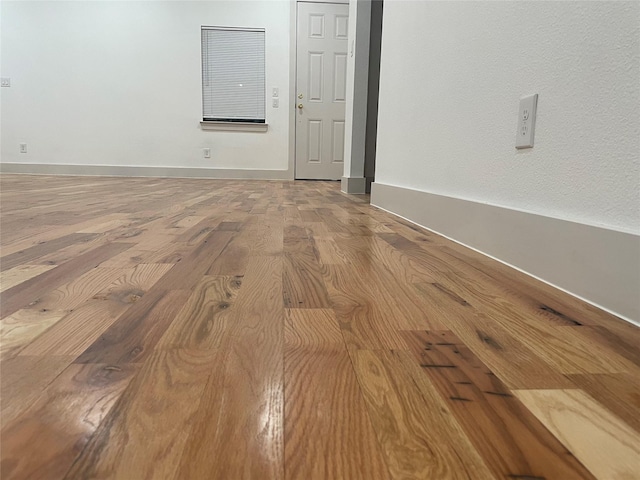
23 148
526 121
206 152
5 82
275 102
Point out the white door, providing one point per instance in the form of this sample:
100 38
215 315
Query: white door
321 88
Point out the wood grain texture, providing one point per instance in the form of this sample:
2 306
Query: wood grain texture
233 259
303 285
510 439
204 319
599 439
156 414
132 337
619 393
77 291
510 360
44 441
221 329
86 324
24 379
22 273
364 325
332 436
246 390
22 295
29 254
565 349
19 329
418 441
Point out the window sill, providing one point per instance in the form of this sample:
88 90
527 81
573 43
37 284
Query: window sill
235 126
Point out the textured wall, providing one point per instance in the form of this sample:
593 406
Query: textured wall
119 83
451 77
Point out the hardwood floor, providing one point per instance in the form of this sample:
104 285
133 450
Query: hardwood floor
222 329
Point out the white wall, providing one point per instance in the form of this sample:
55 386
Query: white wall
451 77
119 83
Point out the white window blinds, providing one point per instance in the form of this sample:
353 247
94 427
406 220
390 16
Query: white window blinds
233 77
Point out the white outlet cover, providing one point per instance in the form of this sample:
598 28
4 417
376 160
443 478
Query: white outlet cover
5 82
206 152
526 121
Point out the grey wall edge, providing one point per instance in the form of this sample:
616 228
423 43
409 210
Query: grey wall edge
353 185
129 171
598 265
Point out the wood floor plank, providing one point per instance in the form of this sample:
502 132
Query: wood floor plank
566 350
246 389
303 284
85 325
22 295
404 310
514 363
77 291
418 441
69 253
21 328
155 413
234 258
234 380
328 251
331 437
29 254
364 325
310 216
102 227
132 337
51 234
24 379
545 295
44 441
619 392
187 273
204 319
510 439
313 329
77 330
401 265
608 342
605 444
269 239
129 258
22 273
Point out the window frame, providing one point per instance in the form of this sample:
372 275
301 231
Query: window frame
212 123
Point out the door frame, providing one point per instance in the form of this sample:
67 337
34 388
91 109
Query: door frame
293 76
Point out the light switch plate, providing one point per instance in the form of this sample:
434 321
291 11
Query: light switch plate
5 82
526 121
275 102
275 92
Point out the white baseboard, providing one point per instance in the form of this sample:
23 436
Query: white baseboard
143 171
596 264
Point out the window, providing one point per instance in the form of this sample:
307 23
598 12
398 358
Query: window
233 74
